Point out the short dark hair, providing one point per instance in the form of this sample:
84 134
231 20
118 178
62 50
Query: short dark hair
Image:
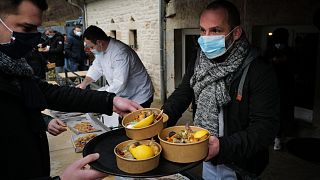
11 6
232 10
50 30
94 33
77 26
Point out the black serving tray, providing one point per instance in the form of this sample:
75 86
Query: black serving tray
105 143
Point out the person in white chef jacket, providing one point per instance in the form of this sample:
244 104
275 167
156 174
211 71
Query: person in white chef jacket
125 74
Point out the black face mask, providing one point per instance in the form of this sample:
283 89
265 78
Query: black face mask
21 43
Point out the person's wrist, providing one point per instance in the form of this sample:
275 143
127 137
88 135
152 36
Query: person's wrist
83 85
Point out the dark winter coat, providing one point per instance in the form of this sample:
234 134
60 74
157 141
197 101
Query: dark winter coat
250 125
55 53
38 63
74 49
25 140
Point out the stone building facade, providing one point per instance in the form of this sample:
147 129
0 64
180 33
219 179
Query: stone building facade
141 19
120 17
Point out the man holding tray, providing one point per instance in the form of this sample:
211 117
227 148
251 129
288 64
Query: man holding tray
22 97
235 97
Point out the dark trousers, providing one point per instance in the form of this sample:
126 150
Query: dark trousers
147 104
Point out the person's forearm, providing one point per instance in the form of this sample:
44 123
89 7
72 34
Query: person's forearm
68 99
87 80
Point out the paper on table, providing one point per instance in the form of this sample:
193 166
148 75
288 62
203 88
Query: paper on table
110 121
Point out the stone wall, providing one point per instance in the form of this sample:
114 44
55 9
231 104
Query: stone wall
181 14
184 14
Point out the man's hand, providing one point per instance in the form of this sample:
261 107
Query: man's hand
87 80
214 147
77 170
56 127
122 106
81 86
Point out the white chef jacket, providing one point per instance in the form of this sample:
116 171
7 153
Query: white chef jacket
125 74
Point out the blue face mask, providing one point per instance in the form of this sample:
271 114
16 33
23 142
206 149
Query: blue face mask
77 33
97 53
214 46
50 36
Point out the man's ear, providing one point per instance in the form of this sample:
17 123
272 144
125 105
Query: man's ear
237 32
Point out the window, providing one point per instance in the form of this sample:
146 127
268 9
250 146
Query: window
133 39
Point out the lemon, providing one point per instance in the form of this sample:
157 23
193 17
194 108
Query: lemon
200 134
145 122
141 152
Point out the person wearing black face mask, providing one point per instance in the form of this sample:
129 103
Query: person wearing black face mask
23 97
23 41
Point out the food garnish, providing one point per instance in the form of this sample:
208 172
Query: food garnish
144 119
187 136
139 151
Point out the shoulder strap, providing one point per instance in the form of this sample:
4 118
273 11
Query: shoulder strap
244 69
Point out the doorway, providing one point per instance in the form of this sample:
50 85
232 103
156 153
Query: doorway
304 42
190 47
186 47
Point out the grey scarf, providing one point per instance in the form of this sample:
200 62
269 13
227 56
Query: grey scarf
210 83
21 75
14 67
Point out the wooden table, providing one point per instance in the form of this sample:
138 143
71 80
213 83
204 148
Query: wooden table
53 82
72 75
